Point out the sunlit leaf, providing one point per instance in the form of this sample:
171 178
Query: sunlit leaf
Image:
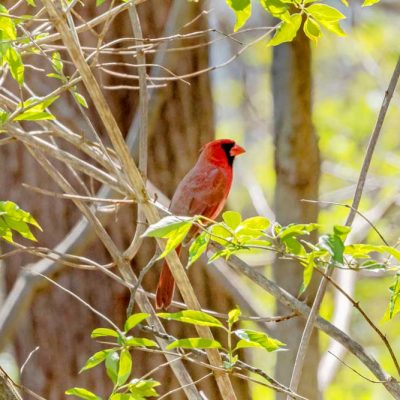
100 332
370 2
233 315
286 30
334 245
125 367
111 363
36 110
242 10
198 247
232 219
135 319
194 343
96 359
80 99
250 338
142 388
192 317
323 12
277 8
312 29
16 65
82 393
140 342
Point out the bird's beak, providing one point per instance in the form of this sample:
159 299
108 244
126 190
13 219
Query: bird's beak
236 150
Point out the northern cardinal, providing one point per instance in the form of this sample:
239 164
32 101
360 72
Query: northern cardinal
203 191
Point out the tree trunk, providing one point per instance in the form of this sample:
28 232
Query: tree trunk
297 167
56 322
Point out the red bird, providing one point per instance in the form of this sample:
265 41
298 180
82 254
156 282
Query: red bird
203 191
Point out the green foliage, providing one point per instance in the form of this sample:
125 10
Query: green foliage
194 343
140 389
82 394
247 338
192 317
9 54
172 228
250 338
292 13
13 218
118 363
237 236
242 10
34 109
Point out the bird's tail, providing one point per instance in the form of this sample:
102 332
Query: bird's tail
166 286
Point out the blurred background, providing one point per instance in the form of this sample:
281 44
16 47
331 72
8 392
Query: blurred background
304 113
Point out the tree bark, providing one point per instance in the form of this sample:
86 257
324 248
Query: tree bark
57 323
297 166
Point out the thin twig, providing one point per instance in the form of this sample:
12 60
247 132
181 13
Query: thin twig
302 350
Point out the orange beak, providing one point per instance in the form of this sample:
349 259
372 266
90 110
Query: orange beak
236 150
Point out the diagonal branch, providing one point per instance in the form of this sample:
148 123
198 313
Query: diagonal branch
135 180
390 383
302 350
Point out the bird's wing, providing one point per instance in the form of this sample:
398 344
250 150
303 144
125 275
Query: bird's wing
201 193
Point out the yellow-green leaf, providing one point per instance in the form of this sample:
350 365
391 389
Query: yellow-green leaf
242 10
286 31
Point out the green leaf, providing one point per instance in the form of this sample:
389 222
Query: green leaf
56 62
221 234
194 343
16 65
140 342
166 226
342 231
294 230
198 247
363 250
232 219
334 245
112 361
96 359
253 227
31 3
309 266
3 116
394 304
334 27
14 218
82 393
173 228
250 338
192 317
134 319
294 246
99 2
233 315
125 367
286 31
7 25
36 112
277 8
242 10
327 16
80 99
312 29
323 12
370 2
101 332
142 388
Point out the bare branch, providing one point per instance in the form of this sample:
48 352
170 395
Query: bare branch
302 350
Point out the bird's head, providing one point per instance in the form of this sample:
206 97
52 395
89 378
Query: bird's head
222 151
